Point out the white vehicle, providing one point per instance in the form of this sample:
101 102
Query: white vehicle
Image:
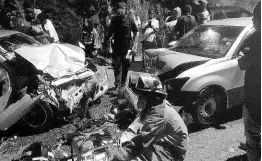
39 83
201 70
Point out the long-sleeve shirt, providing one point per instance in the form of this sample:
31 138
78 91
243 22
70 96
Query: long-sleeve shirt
251 62
184 24
121 28
161 136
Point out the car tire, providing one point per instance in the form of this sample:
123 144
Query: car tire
210 106
40 116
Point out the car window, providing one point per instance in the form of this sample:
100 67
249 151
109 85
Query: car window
244 44
208 41
244 14
219 15
232 14
15 41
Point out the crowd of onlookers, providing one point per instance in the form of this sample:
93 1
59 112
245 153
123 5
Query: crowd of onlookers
161 27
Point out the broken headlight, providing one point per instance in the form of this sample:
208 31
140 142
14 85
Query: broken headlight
176 84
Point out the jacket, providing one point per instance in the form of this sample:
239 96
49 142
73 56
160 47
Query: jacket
251 62
121 28
184 24
160 136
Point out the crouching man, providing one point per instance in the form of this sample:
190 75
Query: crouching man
158 133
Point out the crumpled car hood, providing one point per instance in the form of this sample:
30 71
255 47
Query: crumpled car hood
167 60
55 59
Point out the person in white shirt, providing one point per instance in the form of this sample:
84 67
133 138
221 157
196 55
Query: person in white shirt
150 29
48 27
171 20
204 16
137 21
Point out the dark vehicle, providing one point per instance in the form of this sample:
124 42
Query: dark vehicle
223 12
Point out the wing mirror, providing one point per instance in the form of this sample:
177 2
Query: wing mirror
243 51
241 54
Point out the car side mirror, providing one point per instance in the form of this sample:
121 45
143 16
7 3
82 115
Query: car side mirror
241 54
243 51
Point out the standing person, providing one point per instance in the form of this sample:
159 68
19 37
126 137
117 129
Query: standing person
105 19
251 63
48 27
184 23
137 21
37 32
120 28
30 9
204 16
5 22
158 133
90 36
150 30
170 24
159 14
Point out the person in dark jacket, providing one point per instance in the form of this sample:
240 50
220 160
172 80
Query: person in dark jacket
158 133
184 23
120 28
251 63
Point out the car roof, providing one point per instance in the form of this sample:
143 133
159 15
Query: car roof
233 8
7 32
242 21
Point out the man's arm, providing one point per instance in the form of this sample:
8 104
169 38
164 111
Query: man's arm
42 35
111 29
176 29
134 30
152 128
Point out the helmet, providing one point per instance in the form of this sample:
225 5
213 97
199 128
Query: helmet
147 82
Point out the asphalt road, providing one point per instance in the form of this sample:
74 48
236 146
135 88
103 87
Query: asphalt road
208 144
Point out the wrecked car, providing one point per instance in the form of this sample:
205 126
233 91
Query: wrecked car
40 82
201 71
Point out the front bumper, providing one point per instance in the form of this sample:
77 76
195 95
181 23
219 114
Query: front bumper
182 98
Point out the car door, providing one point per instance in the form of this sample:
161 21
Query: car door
11 112
236 94
5 88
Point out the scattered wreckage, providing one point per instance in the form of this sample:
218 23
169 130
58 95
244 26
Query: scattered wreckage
39 82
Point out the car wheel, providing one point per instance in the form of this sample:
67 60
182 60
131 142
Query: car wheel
210 106
39 117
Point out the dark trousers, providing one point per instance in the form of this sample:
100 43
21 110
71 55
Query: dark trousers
89 48
120 64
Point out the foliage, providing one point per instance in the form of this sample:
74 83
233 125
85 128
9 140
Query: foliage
67 15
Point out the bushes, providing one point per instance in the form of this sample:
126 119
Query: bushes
66 14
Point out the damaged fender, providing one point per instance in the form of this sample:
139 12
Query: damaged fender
16 111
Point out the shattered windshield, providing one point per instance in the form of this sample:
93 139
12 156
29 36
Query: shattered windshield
208 41
15 41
